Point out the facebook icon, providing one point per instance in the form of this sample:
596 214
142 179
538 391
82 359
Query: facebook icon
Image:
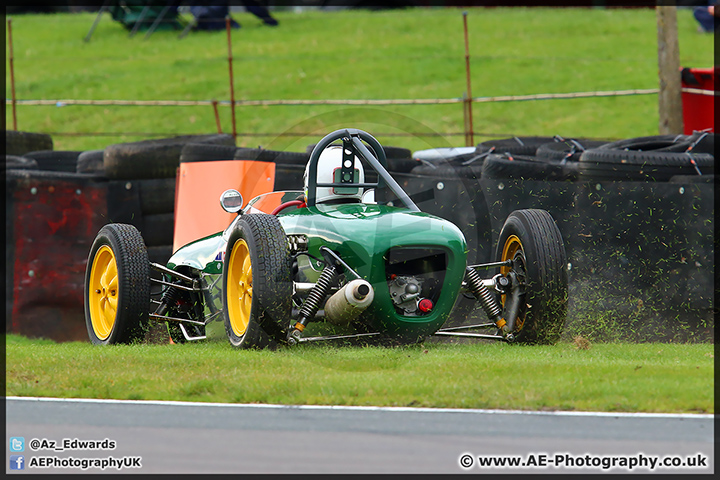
17 462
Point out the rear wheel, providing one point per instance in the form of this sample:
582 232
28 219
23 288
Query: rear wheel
257 282
531 239
117 286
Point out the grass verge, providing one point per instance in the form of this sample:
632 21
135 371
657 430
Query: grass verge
567 376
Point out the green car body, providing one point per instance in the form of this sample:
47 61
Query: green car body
333 254
366 237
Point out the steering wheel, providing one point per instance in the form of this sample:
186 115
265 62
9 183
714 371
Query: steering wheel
283 206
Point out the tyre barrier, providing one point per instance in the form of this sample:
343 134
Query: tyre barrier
21 163
515 145
157 158
640 253
636 218
399 159
55 160
91 161
198 152
20 143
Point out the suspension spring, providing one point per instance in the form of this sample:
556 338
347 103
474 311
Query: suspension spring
169 297
312 303
317 293
485 297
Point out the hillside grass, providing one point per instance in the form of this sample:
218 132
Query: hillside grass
349 54
670 378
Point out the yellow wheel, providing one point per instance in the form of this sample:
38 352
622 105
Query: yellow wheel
239 288
257 286
117 286
532 240
103 292
513 250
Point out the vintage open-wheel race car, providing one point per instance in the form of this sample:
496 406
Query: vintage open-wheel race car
351 250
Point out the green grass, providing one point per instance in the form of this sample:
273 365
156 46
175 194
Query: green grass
603 377
350 54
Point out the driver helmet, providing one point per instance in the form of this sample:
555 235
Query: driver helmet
329 167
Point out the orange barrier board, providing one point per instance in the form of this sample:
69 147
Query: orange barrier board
199 185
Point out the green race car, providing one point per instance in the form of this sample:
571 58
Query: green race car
351 250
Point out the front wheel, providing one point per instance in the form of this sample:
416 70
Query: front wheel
117 286
532 241
257 284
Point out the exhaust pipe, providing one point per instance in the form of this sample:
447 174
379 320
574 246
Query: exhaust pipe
349 302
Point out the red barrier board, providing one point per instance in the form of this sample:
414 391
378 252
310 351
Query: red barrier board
54 223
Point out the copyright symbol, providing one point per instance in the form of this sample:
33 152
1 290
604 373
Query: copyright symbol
34 444
466 461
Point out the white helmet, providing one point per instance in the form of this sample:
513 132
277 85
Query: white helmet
329 167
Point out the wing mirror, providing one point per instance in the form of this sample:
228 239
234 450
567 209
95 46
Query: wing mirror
231 201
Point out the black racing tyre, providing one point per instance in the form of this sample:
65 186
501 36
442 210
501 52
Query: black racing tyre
20 143
91 161
533 241
657 158
567 150
157 195
202 152
257 282
55 160
157 158
117 286
597 164
21 163
276 156
514 145
649 143
502 166
158 229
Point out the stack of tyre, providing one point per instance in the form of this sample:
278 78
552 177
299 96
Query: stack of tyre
503 168
290 166
51 210
652 158
636 214
141 188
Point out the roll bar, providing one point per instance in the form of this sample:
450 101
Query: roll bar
353 146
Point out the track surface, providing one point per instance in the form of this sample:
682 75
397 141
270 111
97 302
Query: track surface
176 437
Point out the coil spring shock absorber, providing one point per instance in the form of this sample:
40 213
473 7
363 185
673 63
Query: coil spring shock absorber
169 297
312 303
485 297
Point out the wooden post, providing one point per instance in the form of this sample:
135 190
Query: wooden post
469 140
12 73
217 116
232 88
670 96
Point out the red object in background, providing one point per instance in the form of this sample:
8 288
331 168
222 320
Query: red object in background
698 108
55 218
